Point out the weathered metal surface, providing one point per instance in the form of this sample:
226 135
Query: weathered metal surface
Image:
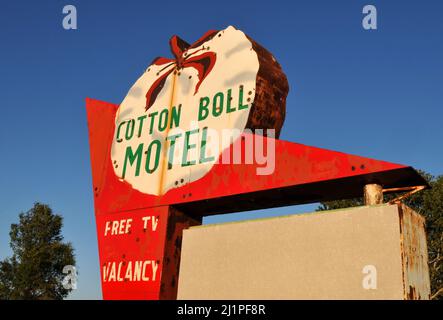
302 174
141 259
416 282
132 259
319 172
177 222
269 108
352 253
411 191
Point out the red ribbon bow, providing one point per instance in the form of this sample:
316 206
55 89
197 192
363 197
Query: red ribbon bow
203 63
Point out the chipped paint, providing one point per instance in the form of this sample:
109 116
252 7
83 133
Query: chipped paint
414 250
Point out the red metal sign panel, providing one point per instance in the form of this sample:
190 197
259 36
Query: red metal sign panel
137 252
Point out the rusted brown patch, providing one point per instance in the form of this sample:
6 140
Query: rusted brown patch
177 222
269 107
416 283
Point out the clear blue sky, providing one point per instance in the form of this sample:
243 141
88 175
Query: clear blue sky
372 93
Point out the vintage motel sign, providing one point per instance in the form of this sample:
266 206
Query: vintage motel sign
223 81
179 147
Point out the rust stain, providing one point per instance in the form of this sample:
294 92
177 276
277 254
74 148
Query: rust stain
177 222
268 110
164 149
413 190
416 282
412 294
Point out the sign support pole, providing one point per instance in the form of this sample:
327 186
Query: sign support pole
373 194
177 221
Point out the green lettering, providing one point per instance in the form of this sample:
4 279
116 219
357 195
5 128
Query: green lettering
132 157
163 121
175 116
140 124
187 147
228 102
215 110
129 129
157 156
241 106
203 109
171 149
203 158
152 116
118 132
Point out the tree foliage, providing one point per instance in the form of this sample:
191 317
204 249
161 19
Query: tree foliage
35 270
428 203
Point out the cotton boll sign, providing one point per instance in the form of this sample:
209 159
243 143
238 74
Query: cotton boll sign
168 128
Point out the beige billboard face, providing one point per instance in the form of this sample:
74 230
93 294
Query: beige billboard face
343 254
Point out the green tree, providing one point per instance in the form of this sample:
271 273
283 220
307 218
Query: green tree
428 203
35 270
